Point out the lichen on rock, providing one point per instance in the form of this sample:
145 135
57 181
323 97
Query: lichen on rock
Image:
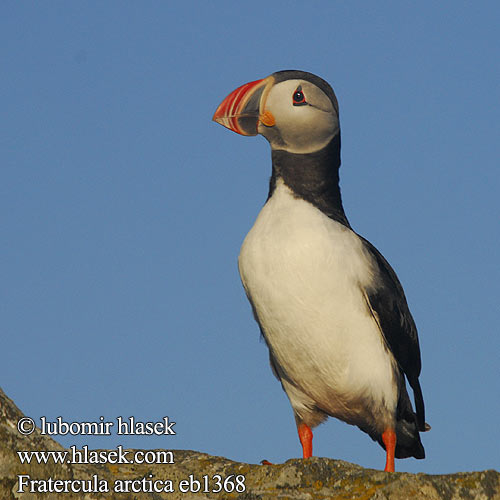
312 479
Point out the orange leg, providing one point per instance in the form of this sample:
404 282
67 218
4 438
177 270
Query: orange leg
306 439
389 439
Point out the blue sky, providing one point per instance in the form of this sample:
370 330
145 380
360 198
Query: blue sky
123 208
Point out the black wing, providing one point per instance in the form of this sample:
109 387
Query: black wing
388 304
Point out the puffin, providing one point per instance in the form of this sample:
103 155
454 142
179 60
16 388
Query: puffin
333 314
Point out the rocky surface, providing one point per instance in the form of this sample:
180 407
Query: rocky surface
201 475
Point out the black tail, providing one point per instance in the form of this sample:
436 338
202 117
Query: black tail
419 405
408 442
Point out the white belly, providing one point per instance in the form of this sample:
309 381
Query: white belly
305 275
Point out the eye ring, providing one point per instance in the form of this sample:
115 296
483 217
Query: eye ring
299 99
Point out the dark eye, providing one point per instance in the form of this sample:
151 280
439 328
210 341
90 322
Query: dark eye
299 98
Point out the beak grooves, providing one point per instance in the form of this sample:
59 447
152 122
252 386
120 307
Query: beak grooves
239 111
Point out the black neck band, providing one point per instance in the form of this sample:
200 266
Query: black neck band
313 177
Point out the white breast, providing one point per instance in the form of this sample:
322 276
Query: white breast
305 274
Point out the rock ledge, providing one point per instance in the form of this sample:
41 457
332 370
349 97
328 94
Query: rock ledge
196 475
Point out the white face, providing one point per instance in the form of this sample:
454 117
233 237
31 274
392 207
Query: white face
299 127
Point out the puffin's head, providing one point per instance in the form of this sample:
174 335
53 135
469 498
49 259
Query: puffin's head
294 110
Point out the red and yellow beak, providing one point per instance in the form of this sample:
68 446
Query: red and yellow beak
243 109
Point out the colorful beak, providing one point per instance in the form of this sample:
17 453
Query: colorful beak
240 110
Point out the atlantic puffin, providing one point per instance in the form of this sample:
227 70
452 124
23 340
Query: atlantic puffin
331 309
